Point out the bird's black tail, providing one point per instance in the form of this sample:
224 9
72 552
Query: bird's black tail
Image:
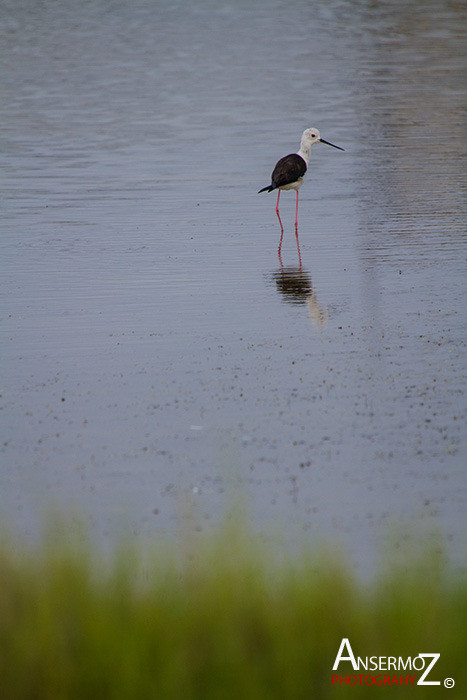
269 188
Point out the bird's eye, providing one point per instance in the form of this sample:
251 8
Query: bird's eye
313 136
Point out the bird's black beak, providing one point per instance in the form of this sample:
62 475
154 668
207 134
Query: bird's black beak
331 144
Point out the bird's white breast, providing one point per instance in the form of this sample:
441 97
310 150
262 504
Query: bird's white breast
293 185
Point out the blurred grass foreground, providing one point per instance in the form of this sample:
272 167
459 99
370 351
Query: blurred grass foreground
218 616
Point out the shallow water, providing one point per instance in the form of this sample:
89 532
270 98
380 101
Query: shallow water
162 361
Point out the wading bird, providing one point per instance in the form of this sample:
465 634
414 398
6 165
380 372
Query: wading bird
290 171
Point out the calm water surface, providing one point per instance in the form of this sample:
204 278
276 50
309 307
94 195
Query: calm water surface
160 359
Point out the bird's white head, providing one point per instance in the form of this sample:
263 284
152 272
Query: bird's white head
309 137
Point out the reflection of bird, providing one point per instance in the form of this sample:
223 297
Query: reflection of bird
294 283
289 172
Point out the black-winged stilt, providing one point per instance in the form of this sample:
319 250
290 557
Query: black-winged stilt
290 171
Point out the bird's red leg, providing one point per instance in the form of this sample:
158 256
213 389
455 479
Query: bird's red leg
280 242
298 248
282 234
280 223
296 233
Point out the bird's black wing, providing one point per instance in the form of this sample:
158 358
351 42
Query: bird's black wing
288 169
